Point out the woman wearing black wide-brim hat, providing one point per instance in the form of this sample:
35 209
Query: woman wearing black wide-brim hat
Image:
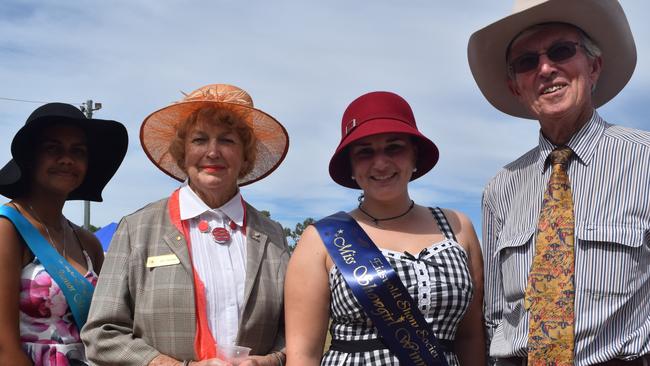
48 266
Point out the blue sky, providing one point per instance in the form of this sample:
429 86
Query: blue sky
302 62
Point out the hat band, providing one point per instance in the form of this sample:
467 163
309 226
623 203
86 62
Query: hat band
350 126
354 123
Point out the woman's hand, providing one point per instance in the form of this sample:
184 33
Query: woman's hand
211 362
268 360
164 360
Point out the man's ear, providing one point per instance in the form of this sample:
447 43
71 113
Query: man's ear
596 69
512 86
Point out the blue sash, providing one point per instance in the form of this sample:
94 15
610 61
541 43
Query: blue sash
380 292
78 291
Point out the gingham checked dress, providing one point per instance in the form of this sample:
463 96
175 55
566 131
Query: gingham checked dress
438 279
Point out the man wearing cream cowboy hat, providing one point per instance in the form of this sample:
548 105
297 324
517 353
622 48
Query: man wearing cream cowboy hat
566 231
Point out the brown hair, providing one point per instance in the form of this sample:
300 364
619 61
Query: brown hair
235 120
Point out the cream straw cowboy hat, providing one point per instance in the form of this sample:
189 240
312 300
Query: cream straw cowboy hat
603 20
159 129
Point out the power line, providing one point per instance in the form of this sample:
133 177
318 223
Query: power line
32 101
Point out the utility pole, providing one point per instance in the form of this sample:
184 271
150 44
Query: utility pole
88 108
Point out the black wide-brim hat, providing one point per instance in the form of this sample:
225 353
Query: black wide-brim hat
107 143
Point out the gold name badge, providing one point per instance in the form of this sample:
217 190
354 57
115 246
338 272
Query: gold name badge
162 260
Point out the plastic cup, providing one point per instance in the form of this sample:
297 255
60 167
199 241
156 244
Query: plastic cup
233 354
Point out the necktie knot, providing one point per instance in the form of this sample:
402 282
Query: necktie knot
561 155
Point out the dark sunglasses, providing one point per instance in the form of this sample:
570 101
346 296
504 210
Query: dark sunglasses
558 52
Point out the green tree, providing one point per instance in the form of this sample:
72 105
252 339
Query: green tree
292 235
297 232
299 229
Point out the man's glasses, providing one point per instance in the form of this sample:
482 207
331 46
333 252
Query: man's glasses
558 52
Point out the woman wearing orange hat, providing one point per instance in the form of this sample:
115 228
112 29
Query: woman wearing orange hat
402 283
49 266
193 277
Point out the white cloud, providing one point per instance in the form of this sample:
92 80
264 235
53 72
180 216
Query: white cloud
302 62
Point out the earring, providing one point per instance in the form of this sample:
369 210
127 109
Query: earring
353 178
360 199
415 170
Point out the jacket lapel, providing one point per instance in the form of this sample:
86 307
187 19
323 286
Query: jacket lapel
256 242
176 242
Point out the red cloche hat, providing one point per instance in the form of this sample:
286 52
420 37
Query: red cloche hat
372 114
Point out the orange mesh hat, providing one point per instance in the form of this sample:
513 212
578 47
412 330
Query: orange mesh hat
159 129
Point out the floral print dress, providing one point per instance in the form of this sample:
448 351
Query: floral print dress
48 332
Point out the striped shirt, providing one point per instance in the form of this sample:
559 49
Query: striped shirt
610 180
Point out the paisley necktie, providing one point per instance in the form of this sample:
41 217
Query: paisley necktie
550 292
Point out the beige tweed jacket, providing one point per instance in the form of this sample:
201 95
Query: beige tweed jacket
138 313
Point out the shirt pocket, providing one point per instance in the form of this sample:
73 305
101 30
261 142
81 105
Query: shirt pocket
611 260
514 264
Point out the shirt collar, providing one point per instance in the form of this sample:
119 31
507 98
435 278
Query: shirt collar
191 205
583 143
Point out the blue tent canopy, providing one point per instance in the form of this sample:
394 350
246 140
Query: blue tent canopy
105 234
